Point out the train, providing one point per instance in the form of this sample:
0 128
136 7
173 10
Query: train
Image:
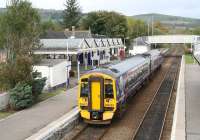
103 93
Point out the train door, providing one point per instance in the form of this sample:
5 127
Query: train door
96 93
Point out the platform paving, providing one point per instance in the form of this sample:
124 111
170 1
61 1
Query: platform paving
27 122
192 88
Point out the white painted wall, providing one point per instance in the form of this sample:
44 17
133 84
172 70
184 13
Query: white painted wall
168 39
55 75
59 73
139 50
45 72
4 100
106 59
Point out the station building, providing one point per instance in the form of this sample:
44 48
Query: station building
77 49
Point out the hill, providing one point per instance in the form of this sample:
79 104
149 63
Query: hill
46 14
170 20
179 22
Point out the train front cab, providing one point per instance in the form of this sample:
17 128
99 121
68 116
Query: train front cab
97 98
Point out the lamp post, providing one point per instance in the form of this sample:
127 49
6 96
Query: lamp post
78 66
68 65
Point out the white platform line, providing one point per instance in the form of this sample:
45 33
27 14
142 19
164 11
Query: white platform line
178 127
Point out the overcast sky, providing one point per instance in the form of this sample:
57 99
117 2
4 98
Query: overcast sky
186 8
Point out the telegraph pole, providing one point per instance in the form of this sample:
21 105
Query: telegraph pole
148 28
152 20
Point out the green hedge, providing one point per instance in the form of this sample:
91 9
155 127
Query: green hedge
37 87
21 96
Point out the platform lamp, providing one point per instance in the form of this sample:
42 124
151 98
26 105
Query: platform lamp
78 65
68 65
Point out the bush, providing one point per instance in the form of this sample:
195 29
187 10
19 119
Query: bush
21 96
37 87
12 73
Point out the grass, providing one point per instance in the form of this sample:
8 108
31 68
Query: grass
189 59
4 114
47 95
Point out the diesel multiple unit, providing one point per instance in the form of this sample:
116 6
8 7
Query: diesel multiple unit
103 93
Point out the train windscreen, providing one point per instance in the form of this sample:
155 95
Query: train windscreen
109 89
84 88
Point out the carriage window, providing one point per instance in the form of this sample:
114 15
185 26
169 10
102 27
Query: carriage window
109 91
118 90
84 89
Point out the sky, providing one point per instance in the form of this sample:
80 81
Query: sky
185 8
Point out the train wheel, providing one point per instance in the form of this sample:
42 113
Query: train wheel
147 80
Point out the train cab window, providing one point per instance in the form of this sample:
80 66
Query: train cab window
109 91
84 88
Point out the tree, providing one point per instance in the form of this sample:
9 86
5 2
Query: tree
159 28
196 31
136 28
111 24
50 25
72 14
21 29
2 38
19 36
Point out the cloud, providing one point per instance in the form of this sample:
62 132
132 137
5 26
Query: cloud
128 7
134 7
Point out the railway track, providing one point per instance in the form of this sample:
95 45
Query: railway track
152 124
128 127
91 133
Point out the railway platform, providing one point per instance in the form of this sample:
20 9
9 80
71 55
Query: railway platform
25 123
192 90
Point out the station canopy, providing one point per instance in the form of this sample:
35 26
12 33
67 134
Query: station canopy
77 45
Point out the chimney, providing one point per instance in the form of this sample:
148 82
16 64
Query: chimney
73 32
67 30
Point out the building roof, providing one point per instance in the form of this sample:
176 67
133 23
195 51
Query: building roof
66 34
61 43
78 34
53 35
76 45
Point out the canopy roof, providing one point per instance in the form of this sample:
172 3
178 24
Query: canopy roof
80 45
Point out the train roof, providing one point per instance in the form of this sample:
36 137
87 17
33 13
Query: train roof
154 52
128 64
119 69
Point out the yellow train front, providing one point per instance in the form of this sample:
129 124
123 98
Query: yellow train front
97 98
